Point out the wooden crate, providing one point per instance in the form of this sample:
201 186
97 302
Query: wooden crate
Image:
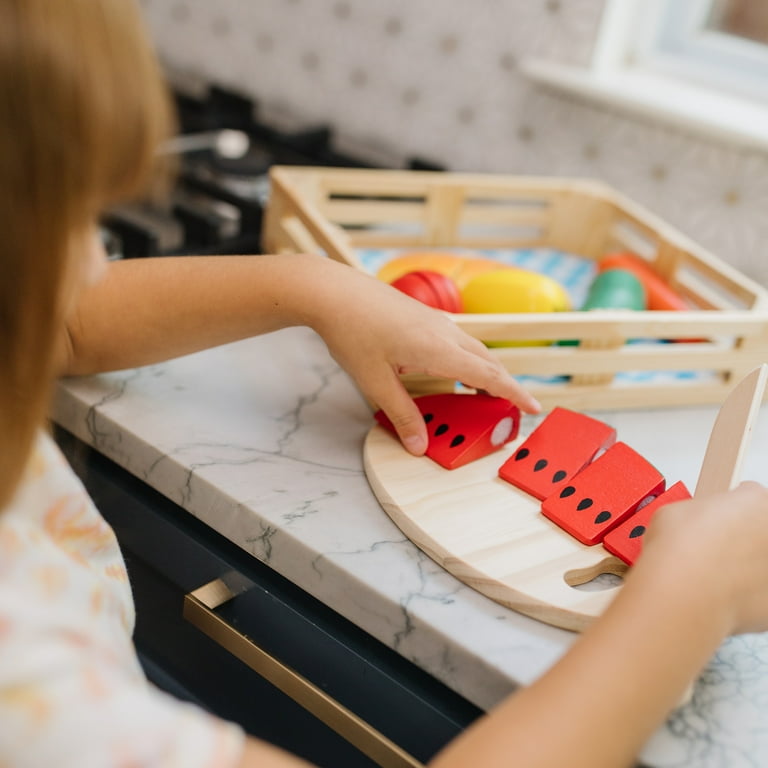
337 211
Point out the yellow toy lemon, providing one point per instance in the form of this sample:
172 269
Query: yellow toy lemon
516 290
513 291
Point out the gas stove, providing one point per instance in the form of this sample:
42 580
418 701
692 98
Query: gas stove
216 206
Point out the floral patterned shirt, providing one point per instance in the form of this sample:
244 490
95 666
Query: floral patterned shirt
72 692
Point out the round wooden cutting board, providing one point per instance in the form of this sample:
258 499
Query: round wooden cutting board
489 534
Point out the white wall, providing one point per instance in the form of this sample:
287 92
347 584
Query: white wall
440 79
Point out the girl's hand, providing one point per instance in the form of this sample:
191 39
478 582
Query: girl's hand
376 333
716 548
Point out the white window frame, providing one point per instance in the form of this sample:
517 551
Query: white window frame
657 57
670 37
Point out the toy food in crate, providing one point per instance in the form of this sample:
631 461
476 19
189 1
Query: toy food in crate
563 230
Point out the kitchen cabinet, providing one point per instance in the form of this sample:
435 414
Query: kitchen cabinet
170 554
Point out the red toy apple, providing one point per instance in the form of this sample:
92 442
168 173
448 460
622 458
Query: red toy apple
430 288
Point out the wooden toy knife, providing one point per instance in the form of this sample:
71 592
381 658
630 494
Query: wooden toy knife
728 442
731 433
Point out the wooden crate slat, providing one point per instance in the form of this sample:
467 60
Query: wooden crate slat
370 238
499 214
354 181
605 397
299 235
608 397
611 324
634 235
353 212
700 267
556 361
345 212
707 295
503 236
694 297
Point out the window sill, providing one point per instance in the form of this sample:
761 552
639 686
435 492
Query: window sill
709 113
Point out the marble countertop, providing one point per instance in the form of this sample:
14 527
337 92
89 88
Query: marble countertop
262 440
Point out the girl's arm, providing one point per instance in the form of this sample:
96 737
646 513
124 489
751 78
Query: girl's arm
147 310
703 575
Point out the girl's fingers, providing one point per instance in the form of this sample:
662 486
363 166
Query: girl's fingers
478 372
384 388
390 395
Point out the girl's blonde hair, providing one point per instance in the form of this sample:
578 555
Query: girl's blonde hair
83 111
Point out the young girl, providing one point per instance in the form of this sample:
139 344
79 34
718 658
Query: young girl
83 114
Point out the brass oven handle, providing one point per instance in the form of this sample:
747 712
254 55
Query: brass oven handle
199 606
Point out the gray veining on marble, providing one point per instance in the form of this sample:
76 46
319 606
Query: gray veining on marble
262 440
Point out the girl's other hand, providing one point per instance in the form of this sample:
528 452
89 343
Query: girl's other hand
717 548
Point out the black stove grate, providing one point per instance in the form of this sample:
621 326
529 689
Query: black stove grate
217 203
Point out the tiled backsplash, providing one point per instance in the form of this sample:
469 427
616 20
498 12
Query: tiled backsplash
439 79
